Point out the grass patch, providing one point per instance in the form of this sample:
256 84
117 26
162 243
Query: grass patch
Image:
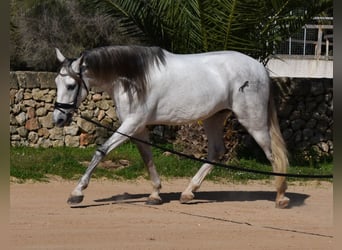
39 163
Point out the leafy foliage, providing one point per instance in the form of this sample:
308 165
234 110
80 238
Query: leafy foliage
254 27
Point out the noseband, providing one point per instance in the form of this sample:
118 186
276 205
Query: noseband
62 107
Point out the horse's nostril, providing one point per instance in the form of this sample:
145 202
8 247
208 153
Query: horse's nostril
60 122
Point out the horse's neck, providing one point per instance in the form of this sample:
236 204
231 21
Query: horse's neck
99 86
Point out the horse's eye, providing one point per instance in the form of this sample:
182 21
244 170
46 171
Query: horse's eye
71 87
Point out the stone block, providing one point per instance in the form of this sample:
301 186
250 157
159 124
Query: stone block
27 95
72 141
311 124
13 120
45 143
56 133
27 79
297 124
21 118
57 143
38 94
31 113
295 115
32 124
33 137
88 113
15 109
103 104
41 111
22 131
85 126
47 121
13 80
19 95
53 92
299 89
97 97
307 134
101 115
71 130
111 113
43 132
46 80
12 94
317 88
86 139
13 129
107 122
287 134
324 146
29 103
15 138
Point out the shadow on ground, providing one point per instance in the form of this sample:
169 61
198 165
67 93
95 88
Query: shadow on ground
297 199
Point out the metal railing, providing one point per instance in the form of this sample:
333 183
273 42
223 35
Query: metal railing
314 40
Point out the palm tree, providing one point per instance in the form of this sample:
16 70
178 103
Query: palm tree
254 27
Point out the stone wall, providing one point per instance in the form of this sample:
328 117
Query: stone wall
32 96
305 111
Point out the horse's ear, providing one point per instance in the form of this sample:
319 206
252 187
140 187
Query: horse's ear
60 56
76 64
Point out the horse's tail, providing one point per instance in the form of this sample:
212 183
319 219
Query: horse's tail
279 151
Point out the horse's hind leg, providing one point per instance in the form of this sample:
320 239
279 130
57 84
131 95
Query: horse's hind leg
146 155
274 149
213 127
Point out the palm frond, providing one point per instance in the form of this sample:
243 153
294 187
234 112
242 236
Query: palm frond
254 27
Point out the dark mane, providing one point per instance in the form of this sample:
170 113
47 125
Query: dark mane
128 64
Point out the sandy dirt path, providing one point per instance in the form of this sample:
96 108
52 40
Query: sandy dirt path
113 215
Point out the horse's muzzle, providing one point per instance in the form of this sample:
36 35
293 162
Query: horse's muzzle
61 119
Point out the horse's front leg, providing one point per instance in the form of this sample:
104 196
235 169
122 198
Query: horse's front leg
146 155
115 140
76 195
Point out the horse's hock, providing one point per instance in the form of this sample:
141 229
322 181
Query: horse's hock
305 111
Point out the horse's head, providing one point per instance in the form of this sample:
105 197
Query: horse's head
71 89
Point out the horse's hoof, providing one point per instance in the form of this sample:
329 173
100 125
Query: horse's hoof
186 197
154 201
75 199
283 202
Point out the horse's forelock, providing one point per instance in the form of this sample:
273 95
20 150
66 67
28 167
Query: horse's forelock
67 65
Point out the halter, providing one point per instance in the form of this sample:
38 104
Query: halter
62 107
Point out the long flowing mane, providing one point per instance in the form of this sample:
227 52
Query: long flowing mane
128 64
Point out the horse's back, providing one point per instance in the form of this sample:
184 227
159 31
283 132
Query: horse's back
195 86
228 66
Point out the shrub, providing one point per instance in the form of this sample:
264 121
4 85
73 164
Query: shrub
40 26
